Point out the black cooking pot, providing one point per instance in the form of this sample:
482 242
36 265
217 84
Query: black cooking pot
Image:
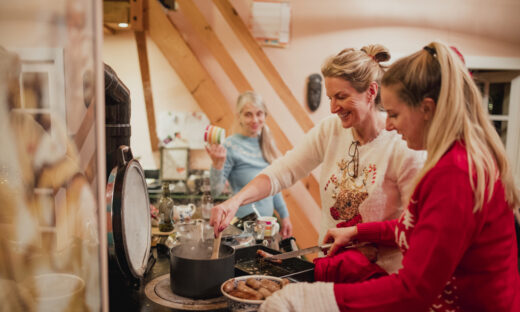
194 275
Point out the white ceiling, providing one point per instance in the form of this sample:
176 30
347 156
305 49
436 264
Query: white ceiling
497 19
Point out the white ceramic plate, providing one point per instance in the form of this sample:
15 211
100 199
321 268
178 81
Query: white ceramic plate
238 304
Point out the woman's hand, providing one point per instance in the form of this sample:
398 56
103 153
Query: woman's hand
340 237
221 215
286 228
217 153
256 189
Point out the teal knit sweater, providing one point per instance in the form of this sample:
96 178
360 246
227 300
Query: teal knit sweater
244 161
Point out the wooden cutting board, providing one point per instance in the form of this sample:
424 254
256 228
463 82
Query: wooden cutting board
156 232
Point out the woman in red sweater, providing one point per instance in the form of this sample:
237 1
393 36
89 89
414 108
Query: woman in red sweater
457 234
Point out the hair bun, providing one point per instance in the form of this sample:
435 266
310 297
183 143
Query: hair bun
377 52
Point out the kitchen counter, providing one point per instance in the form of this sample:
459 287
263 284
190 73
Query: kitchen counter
124 298
184 198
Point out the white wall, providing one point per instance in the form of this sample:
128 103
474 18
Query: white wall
169 93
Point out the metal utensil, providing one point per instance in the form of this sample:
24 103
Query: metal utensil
301 252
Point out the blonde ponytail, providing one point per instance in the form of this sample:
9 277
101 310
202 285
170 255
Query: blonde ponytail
437 72
269 150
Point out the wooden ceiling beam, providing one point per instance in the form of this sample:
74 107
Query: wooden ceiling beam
192 73
142 52
214 45
137 15
263 62
116 12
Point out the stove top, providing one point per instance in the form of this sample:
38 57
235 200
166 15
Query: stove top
158 290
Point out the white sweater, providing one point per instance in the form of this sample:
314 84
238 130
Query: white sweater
387 168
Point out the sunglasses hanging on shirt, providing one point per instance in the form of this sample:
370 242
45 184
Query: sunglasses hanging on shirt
353 164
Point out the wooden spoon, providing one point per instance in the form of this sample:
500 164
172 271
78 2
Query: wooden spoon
216 246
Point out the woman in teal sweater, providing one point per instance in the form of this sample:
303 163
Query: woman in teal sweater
244 155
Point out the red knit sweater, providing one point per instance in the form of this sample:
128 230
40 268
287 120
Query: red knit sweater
454 259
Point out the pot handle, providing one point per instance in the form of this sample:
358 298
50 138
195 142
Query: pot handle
124 155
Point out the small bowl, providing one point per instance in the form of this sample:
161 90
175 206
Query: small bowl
245 305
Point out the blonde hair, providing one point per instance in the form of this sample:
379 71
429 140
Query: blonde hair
438 73
359 67
269 150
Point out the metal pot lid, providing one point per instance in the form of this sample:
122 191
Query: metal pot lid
136 223
129 232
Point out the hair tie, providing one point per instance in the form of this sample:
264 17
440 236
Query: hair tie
461 58
371 56
459 54
431 51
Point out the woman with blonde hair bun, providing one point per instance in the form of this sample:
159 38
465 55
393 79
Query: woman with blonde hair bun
366 171
457 233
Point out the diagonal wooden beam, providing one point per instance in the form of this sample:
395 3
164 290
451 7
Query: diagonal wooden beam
214 45
212 42
263 62
140 39
192 73
303 230
310 182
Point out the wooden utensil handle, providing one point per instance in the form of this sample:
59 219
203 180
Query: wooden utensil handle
216 246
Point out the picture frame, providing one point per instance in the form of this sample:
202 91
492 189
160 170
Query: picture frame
270 22
174 163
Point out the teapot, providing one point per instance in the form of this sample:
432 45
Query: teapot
182 213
